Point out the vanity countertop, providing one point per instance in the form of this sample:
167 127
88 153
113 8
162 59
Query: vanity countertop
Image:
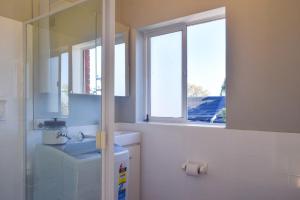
125 138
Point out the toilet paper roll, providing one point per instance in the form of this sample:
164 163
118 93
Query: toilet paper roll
192 169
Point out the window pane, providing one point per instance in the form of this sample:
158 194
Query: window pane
64 88
206 71
53 79
90 71
120 66
166 75
98 70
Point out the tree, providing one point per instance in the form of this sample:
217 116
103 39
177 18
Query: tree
196 91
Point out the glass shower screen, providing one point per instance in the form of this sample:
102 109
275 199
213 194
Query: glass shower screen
62 160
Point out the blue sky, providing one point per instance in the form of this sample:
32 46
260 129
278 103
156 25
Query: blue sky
207 55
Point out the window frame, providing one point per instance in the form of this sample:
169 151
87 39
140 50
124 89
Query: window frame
176 25
158 32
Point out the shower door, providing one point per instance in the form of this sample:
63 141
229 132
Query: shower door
65 94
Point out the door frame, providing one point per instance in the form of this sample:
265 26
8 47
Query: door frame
108 99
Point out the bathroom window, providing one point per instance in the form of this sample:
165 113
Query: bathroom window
186 65
206 71
166 75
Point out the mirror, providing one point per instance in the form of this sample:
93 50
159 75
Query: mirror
64 50
49 55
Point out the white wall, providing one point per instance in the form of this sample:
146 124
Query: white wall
11 174
243 165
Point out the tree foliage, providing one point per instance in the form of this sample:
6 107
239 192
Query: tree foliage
196 91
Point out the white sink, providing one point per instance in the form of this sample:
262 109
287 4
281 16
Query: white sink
126 138
74 147
88 145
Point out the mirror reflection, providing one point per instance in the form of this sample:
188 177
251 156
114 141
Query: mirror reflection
64 50
86 66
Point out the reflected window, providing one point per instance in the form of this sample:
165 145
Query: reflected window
58 83
120 69
92 70
64 83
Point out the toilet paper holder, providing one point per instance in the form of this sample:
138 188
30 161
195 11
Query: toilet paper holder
193 168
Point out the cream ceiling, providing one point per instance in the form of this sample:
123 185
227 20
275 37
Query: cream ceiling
20 10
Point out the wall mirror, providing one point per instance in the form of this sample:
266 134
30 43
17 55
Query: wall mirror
64 54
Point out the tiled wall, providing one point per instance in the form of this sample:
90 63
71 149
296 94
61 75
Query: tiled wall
243 165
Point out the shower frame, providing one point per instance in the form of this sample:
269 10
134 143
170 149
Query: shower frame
107 103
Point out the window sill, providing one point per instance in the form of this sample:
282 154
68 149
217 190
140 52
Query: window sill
186 124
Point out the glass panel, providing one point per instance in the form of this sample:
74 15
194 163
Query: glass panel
62 159
166 75
206 56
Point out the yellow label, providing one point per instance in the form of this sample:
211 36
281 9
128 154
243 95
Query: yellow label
122 177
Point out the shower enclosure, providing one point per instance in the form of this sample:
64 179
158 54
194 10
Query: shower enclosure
70 101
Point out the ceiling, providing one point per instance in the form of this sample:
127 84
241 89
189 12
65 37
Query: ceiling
20 10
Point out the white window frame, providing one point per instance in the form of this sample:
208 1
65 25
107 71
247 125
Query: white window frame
172 26
157 32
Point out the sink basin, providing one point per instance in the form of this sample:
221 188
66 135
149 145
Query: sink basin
126 138
88 145
75 147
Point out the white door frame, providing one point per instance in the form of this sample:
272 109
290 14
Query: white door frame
108 99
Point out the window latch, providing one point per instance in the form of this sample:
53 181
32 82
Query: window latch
146 118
